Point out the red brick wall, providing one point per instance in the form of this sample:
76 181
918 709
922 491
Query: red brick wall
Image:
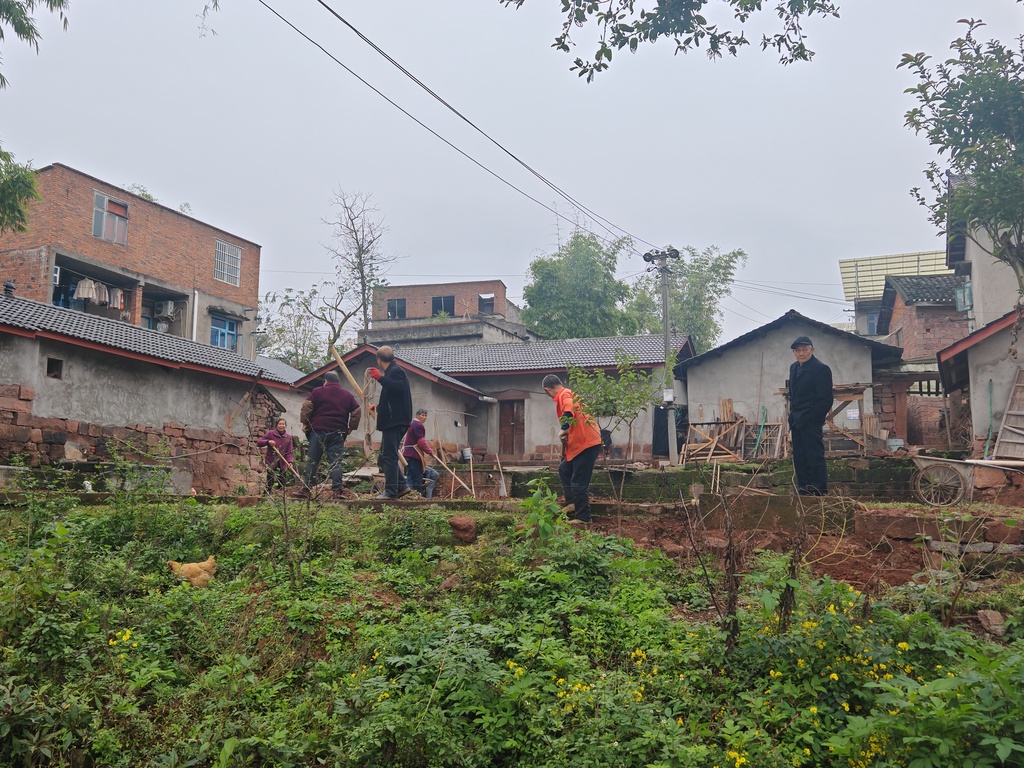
926 330
418 298
885 407
29 269
220 463
161 243
923 422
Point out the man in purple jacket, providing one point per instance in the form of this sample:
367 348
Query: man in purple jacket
328 415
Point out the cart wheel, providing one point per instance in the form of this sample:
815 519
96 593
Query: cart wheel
938 485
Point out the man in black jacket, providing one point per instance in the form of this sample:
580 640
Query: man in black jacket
810 400
394 412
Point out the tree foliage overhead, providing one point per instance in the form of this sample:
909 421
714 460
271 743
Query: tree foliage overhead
18 182
573 293
971 109
697 285
628 24
18 17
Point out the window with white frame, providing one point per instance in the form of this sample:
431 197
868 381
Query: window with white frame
109 219
224 333
227 263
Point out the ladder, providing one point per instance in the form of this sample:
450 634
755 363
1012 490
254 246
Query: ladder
1010 440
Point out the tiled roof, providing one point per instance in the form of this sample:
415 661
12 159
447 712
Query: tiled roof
929 288
879 351
539 355
34 316
279 368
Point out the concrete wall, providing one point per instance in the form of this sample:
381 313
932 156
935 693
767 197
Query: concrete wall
752 373
108 389
990 360
993 285
103 401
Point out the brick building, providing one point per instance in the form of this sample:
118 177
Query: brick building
919 314
100 249
442 314
864 282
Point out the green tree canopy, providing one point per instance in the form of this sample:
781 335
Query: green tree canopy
17 189
573 293
697 284
971 109
18 182
622 24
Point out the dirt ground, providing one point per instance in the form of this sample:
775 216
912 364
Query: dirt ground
861 560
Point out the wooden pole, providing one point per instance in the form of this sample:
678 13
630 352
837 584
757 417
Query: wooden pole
457 478
290 466
502 490
346 371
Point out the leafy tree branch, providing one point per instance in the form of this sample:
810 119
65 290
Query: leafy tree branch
629 24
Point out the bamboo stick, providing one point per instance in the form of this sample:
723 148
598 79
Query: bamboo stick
346 371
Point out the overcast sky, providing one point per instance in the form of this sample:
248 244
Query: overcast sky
254 127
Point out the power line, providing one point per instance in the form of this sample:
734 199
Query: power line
427 128
608 225
788 294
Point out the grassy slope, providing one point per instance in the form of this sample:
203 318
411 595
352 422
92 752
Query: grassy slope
373 641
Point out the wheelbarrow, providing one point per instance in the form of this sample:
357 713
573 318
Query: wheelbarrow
944 482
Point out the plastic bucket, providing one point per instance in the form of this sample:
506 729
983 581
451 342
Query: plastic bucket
467 454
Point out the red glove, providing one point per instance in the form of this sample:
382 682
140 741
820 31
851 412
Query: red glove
375 373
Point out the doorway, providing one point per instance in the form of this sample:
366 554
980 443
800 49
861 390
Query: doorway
512 428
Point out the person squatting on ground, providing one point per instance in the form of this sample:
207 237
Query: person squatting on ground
328 415
581 445
394 413
810 400
418 475
280 458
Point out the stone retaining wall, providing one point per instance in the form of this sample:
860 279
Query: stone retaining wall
215 461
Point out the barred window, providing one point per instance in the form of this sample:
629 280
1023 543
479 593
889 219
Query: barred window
227 263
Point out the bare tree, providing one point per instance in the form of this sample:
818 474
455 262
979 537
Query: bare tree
360 264
290 332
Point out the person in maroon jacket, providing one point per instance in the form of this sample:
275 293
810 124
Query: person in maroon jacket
418 475
280 456
328 415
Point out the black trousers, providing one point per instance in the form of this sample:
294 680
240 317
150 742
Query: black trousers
394 480
809 460
575 477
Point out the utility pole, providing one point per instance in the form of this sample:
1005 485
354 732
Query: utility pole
659 259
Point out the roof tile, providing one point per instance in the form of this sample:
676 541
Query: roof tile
31 315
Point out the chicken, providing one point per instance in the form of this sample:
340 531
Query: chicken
196 574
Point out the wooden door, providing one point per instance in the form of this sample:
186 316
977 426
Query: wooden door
511 428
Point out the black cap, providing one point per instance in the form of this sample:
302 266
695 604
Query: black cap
800 342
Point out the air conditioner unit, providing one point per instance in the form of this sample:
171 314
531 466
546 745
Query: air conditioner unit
163 309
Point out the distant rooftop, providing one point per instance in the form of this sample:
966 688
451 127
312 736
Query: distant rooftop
864 278
934 289
555 354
